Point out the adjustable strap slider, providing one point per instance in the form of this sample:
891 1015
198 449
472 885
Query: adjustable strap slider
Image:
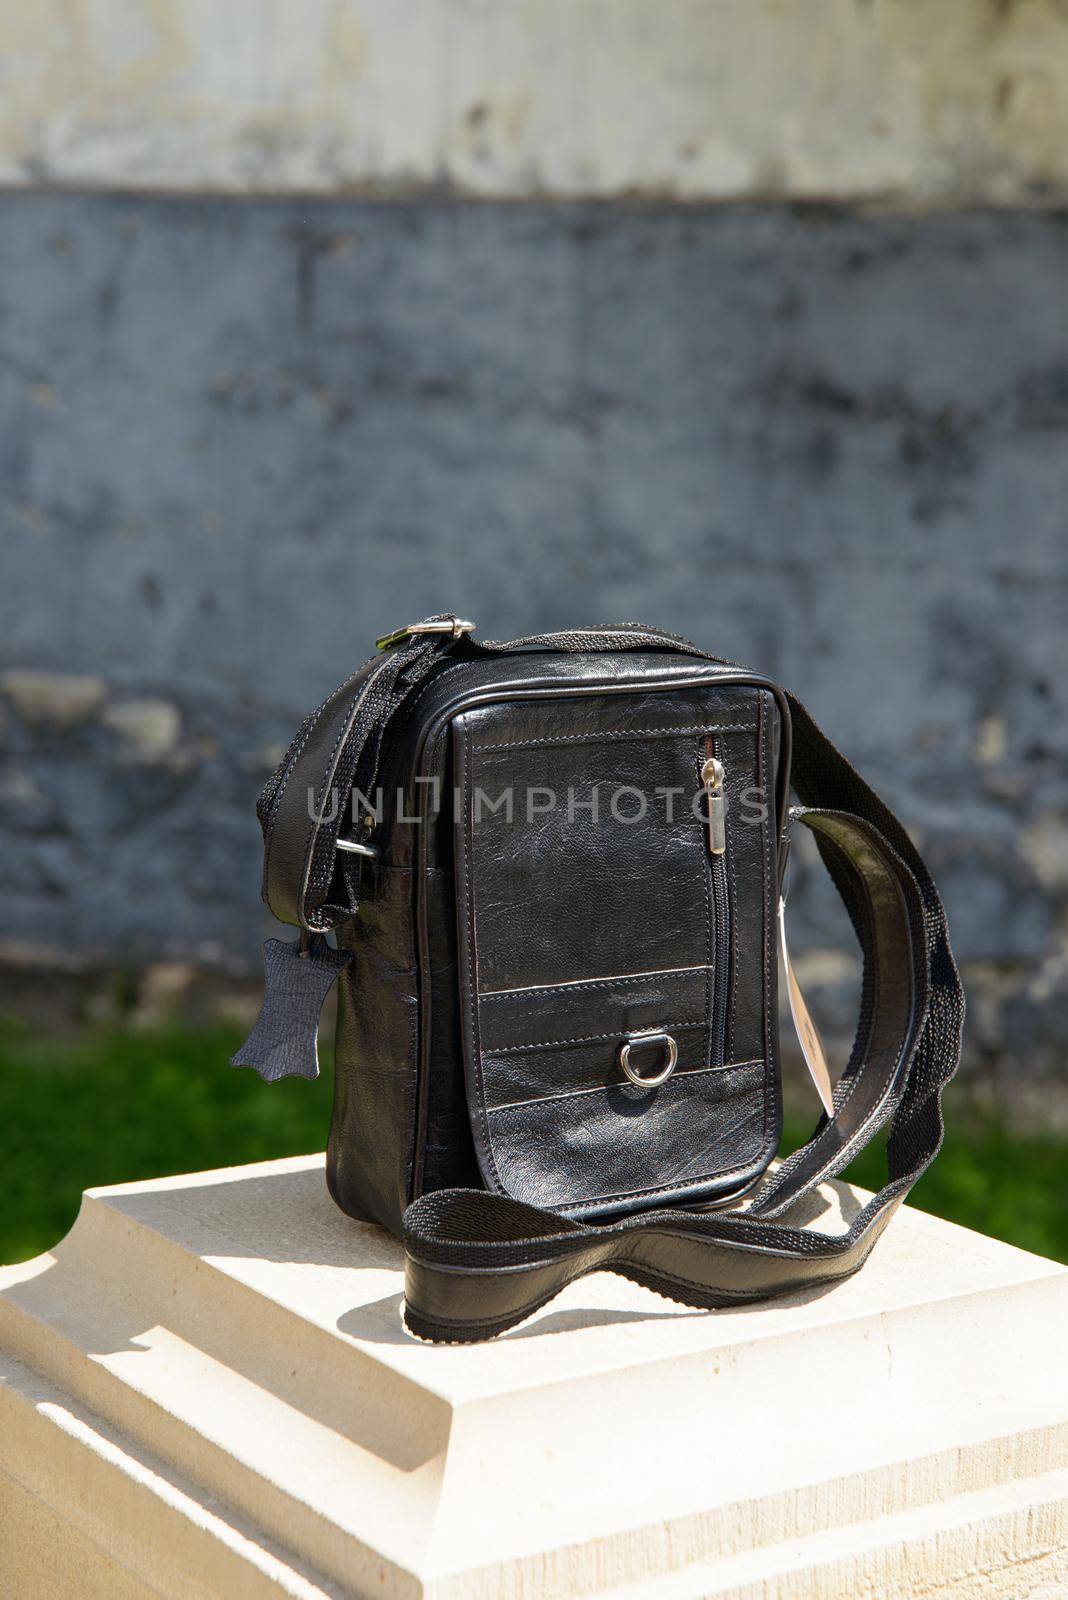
455 627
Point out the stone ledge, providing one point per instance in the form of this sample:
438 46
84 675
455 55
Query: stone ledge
87 1513
225 1349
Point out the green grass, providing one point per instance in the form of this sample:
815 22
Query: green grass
111 1106
1005 1183
107 1106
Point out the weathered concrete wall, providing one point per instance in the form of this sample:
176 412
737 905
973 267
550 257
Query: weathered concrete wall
919 101
238 441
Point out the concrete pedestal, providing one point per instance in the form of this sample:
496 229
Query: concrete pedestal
205 1391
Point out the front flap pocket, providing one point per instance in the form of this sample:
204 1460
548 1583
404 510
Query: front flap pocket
613 857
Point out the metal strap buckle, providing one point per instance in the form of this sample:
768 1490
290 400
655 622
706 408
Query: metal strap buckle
666 1043
352 848
359 846
454 626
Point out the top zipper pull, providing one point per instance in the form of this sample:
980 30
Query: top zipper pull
712 775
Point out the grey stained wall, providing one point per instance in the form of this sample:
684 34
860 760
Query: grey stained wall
237 439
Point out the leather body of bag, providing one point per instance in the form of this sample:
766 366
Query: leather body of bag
553 869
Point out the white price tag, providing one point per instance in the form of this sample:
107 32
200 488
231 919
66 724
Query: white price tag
807 1034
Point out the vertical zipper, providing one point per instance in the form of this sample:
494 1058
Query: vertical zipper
713 777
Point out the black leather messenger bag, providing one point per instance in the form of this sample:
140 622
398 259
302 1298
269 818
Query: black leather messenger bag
553 869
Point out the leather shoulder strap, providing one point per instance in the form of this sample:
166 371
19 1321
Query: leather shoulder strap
302 809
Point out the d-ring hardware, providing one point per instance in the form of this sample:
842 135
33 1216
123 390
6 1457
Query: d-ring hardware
640 1041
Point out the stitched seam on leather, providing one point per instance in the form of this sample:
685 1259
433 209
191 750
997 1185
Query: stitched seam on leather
859 1135
508 1320
411 1086
872 961
473 1000
603 1088
589 1038
593 983
619 733
709 1288
472 989
706 873
872 926
294 756
331 767
865 912
401 720
765 872
705 1023
732 923
866 1131
648 1277
277 799
655 1194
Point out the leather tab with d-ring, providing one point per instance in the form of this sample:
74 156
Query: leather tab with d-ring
670 1052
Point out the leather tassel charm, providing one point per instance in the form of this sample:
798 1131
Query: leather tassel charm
285 1040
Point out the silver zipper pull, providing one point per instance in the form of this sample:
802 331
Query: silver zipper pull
712 778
